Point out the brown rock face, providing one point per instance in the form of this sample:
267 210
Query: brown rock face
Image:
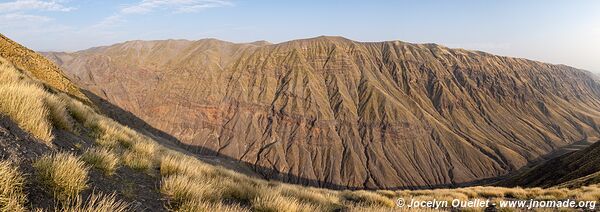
338 113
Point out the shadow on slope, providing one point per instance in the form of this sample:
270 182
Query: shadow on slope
22 149
559 170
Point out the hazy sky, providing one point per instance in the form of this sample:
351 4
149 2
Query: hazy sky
566 32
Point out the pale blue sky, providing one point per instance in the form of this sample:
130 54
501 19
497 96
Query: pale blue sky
566 32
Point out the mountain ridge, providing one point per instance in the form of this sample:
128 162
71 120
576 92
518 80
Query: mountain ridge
367 114
265 42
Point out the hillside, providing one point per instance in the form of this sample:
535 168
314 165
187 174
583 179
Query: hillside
39 66
337 113
570 170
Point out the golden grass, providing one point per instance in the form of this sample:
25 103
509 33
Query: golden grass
275 203
30 104
12 197
102 159
81 112
556 193
21 102
139 151
64 174
58 112
487 192
185 176
516 193
589 196
360 208
238 192
137 161
181 189
97 203
143 147
367 198
209 207
171 164
326 200
387 193
585 193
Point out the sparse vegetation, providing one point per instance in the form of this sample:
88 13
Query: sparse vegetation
64 174
182 189
21 103
275 203
368 198
203 206
137 160
12 197
327 200
97 203
102 159
58 112
30 104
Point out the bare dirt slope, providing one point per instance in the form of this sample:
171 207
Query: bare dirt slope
333 112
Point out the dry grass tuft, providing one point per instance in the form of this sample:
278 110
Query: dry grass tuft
81 112
556 193
387 193
32 106
361 208
181 189
96 203
589 196
488 192
63 173
273 203
21 102
516 193
12 197
102 159
367 198
203 206
180 170
311 196
238 192
58 113
176 163
137 161
171 164
143 147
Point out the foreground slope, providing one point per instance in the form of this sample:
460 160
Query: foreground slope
339 113
39 66
570 170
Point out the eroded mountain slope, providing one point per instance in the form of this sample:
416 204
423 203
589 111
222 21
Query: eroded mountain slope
334 112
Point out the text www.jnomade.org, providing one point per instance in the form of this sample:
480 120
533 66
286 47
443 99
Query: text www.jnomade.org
484 203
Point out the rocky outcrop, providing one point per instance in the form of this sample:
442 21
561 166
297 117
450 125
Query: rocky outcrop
333 112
